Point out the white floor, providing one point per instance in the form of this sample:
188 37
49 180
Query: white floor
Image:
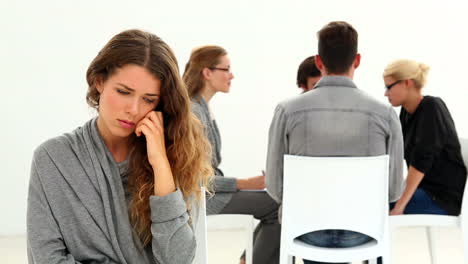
225 247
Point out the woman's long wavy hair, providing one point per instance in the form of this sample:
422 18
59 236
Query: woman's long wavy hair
187 148
201 57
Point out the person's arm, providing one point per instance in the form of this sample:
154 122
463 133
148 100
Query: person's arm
45 243
277 147
427 146
395 152
412 182
173 237
223 183
251 183
220 183
152 127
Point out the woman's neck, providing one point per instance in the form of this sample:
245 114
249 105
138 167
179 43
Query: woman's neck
413 101
117 146
207 93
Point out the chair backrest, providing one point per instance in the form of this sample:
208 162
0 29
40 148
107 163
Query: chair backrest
464 151
349 193
201 253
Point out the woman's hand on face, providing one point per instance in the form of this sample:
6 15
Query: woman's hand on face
152 127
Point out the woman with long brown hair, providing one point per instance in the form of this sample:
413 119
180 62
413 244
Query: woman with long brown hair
207 73
123 187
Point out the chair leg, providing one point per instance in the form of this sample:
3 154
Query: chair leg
464 231
249 243
284 257
432 248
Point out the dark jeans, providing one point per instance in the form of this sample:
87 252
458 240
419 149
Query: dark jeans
267 234
422 203
333 239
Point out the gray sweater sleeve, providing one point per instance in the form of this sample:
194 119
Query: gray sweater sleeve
277 147
395 151
44 240
221 183
225 184
173 236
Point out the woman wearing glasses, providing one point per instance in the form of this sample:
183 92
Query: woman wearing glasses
436 172
207 73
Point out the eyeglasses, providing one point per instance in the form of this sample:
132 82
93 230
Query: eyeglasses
221 69
391 85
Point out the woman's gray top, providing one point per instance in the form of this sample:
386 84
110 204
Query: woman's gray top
223 186
77 208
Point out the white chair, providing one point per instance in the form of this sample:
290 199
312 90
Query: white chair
235 221
430 221
201 253
349 193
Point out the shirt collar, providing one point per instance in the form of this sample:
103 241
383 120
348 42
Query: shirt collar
337 81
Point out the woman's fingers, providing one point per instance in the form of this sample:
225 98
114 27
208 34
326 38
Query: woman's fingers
143 128
156 118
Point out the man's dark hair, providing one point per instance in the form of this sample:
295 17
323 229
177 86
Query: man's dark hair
337 46
306 69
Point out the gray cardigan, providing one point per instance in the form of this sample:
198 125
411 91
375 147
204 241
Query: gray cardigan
77 209
223 186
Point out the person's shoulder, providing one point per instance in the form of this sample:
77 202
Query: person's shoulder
197 104
372 103
299 101
52 143
288 104
199 109
58 145
429 100
49 155
433 105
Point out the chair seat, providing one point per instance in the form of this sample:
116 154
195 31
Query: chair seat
424 220
357 253
428 220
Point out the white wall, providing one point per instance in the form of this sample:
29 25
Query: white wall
46 46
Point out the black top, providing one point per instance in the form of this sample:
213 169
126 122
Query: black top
432 147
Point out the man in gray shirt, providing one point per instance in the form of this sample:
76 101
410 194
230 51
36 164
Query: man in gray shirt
334 119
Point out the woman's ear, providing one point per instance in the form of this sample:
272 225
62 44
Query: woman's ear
413 84
206 73
99 84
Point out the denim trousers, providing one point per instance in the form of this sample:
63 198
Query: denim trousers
333 239
422 203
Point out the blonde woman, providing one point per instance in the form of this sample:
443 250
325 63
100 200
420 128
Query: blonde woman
208 72
436 172
119 188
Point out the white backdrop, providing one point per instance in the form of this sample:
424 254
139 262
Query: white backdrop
46 46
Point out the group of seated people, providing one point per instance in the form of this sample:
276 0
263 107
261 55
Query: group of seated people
126 186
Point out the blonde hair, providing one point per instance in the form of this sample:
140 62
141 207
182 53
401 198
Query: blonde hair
408 70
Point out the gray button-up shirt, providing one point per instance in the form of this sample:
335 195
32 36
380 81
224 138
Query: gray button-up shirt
334 119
